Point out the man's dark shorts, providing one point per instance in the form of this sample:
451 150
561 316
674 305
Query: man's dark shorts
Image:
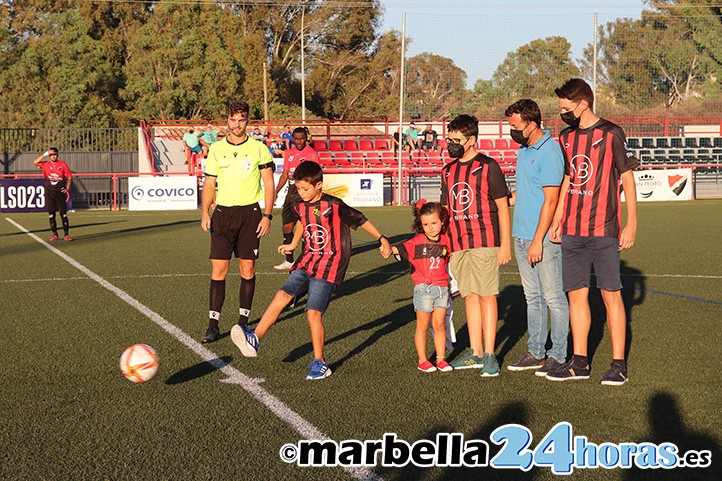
233 230
579 254
55 201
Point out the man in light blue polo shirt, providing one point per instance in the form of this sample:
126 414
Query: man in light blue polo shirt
539 175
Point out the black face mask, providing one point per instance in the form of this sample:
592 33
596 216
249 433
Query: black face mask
518 137
570 119
456 150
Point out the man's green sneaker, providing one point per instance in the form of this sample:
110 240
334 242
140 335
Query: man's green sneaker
467 360
491 365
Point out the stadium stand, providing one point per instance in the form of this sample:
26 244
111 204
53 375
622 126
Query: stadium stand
335 145
381 144
350 145
319 145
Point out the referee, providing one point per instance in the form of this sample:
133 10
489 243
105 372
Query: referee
237 165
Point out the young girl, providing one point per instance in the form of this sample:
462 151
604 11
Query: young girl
427 254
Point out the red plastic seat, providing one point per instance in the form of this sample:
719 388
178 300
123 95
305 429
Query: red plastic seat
486 145
358 159
350 145
335 145
366 145
381 144
325 157
372 159
340 158
501 144
319 145
514 145
442 144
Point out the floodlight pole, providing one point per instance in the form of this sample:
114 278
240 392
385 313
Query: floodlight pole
400 149
265 92
594 72
303 66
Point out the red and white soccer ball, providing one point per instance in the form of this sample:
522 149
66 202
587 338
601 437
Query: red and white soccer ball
139 363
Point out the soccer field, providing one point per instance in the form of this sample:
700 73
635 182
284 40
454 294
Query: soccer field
69 312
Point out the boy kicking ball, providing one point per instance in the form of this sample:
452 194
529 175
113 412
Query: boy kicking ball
324 223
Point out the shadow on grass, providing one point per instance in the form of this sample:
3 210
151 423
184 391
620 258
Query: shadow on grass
380 327
633 294
511 309
512 413
198 370
72 227
667 426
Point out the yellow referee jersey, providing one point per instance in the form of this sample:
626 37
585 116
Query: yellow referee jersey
236 170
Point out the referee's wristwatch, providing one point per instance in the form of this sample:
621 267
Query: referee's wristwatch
268 216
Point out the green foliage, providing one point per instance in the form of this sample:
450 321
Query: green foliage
535 69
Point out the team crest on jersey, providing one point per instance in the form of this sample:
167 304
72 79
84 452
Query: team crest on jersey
317 237
247 166
316 212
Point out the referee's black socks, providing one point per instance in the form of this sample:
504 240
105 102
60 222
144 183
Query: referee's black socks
287 239
245 299
216 298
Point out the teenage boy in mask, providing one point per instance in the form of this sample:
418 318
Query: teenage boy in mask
539 173
474 191
587 223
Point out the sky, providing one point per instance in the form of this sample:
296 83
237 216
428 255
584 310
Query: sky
478 35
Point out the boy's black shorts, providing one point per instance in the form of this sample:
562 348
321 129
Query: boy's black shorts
579 254
55 201
233 230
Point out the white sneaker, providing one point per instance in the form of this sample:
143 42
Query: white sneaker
283 266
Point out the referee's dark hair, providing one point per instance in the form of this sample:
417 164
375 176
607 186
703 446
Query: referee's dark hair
308 171
237 107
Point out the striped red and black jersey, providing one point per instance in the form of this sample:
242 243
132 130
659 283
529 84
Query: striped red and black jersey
469 190
427 259
594 159
327 226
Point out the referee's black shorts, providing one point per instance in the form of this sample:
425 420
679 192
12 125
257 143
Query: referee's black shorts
233 230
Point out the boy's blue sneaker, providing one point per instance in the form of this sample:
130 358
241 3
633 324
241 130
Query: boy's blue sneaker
245 339
318 370
490 365
467 360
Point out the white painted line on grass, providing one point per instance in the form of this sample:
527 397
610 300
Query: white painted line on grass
283 273
249 384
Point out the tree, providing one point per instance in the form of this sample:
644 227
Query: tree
432 81
179 65
535 69
58 76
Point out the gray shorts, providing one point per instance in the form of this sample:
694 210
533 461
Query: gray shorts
579 254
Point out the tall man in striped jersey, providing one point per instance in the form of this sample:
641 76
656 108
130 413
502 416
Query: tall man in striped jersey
475 192
324 223
237 165
587 223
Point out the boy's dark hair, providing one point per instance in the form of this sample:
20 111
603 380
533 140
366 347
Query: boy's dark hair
308 171
237 107
301 130
422 207
466 124
53 149
576 90
527 109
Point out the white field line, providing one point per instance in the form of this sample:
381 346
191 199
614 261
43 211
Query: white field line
282 273
250 385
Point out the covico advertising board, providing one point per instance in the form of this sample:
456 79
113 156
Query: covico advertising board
163 193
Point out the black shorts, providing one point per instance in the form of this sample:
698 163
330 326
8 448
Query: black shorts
579 254
55 201
233 230
288 215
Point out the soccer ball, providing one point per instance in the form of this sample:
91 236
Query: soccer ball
139 363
